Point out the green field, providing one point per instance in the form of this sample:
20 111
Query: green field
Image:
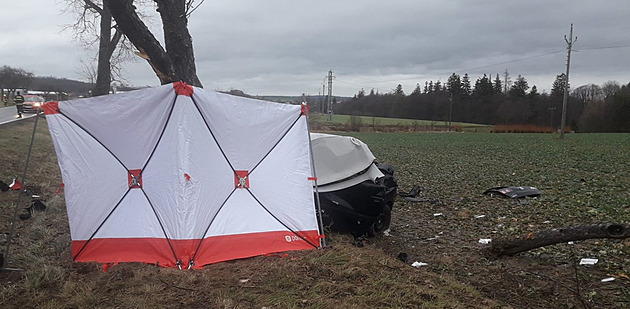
368 121
584 179
589 173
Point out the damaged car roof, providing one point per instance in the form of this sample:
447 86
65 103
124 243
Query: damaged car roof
340 159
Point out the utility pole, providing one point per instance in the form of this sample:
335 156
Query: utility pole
330 80
506 76
323 108
450 112
566 82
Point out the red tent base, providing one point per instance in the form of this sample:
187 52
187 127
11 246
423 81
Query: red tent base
213 249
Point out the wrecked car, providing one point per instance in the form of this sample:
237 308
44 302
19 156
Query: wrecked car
356 193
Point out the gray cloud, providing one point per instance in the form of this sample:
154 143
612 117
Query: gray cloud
287 47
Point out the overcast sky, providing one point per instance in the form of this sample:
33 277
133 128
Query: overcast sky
286 47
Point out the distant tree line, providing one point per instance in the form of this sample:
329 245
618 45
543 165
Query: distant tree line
12 79
54 88
498 100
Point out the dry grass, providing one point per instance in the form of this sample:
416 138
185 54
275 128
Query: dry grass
342 276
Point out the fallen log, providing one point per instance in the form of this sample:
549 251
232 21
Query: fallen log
505 246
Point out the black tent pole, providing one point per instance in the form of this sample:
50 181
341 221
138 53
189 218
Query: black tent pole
320 222
17 202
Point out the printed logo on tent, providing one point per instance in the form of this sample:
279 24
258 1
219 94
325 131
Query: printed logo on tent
241 179
135 179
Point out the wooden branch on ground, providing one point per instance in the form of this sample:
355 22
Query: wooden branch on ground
539 239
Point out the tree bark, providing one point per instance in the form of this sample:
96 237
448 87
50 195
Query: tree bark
539 239
177 39
103 75
175 64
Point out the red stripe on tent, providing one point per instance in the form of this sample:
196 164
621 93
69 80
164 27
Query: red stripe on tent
51 108
115 250
182 89
225 248
213 249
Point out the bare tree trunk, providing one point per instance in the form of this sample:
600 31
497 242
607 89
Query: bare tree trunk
175 64
103 75
554 236
177 39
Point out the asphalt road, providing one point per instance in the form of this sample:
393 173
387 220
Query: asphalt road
9 114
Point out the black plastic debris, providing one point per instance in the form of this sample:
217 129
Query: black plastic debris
402 256
38 205
413 196
418 199
25 216
513 192
412 193
3 186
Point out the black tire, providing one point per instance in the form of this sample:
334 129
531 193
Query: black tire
382 224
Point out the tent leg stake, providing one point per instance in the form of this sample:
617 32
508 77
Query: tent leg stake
5 256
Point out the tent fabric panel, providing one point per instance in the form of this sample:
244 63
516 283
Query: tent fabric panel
133 218
281 181
127 123
241 214
229 247
94 181
237 123
187 178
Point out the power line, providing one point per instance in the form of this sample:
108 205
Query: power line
330 83
467 69
604 47
446 73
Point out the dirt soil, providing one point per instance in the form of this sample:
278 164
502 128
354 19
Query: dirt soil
444 232
587 186
583 179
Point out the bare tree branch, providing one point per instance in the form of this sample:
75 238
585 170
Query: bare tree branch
190 9
148 46
93 6
554 236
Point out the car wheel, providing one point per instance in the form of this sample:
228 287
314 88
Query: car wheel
382 224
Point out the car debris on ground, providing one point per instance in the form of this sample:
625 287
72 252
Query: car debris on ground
514 192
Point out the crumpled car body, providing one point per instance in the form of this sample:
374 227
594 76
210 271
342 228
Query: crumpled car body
356 193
